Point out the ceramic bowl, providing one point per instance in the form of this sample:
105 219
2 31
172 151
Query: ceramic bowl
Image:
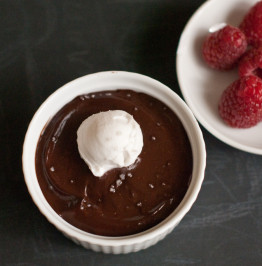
108 81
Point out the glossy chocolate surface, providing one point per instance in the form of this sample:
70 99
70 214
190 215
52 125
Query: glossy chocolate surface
123 201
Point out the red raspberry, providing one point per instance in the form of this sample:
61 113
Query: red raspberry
222 49
251 63
241 103
252 24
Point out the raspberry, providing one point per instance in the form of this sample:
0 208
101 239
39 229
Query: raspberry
252 24
241 103
222 49
251 63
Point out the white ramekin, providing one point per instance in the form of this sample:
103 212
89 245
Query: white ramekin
112 80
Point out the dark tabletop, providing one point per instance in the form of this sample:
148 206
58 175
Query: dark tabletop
46 43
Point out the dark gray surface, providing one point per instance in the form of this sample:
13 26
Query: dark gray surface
46 43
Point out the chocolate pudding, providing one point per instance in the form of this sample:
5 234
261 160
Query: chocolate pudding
126 200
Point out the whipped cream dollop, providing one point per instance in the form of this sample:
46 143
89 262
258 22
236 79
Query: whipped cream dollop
109 140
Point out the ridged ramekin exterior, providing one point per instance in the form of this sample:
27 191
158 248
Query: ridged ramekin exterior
121 249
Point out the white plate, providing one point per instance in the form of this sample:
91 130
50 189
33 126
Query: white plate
201 86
